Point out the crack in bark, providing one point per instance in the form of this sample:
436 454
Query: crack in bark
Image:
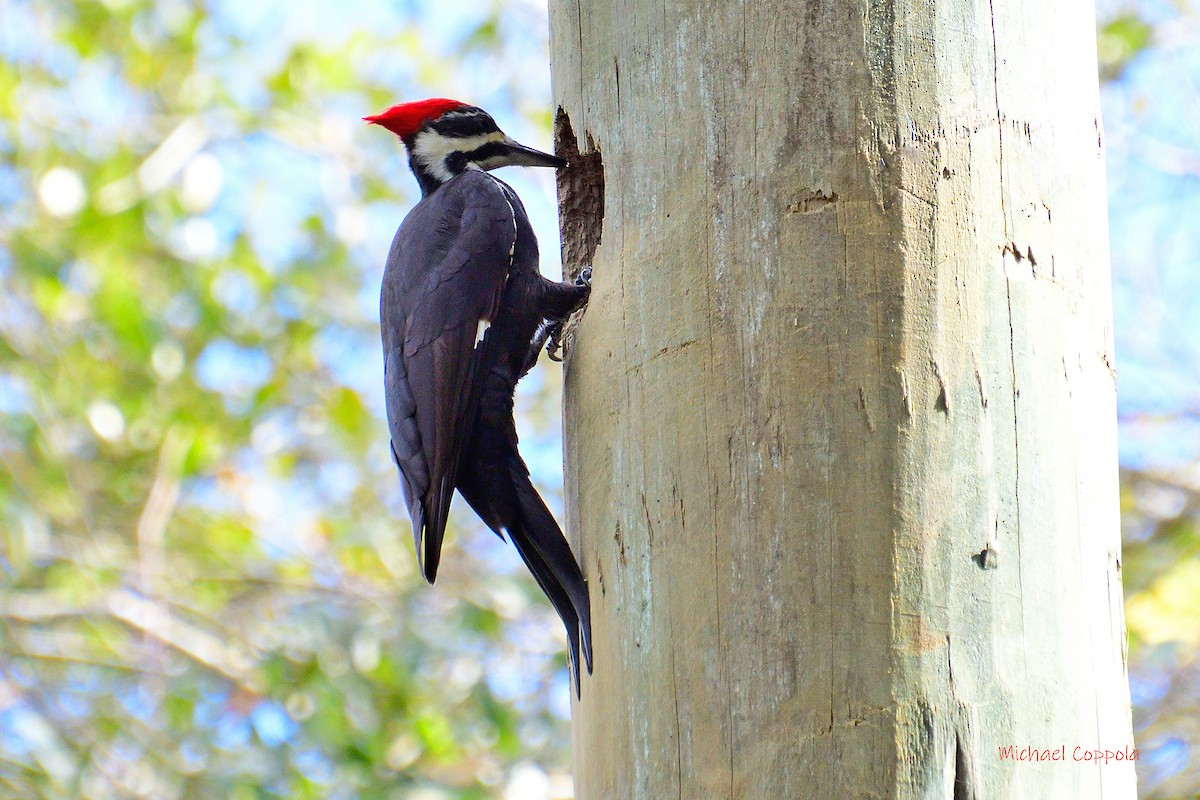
999 115
1016 396
1012 338
962 771
811 201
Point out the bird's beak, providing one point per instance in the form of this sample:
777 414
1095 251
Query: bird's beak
518 155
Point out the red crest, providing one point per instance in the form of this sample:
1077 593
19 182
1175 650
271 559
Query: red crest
406 119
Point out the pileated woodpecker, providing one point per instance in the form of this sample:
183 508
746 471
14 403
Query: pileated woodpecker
463 313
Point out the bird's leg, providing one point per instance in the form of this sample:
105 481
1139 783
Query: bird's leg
545 330
558 302
557 323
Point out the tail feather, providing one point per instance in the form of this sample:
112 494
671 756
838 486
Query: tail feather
551 586
497 486
434 515
543 538
416 512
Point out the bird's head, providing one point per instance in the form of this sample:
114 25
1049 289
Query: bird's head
445 137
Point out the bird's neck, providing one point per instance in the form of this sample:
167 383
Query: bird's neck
429 178
436 159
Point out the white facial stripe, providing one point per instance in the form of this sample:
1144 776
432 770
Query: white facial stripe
492 162
431 149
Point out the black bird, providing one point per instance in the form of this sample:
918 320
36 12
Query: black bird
463 313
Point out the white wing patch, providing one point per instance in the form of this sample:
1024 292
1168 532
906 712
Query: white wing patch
484 324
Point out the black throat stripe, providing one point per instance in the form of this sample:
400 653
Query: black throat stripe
457 161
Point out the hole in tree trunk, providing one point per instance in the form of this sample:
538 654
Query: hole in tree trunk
580 196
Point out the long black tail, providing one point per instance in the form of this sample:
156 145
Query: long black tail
545 551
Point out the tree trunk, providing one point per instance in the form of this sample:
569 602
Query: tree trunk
841 461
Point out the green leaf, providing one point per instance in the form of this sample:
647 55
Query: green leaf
1119 42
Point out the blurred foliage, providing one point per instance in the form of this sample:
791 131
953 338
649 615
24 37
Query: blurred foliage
1161 564
208 589
1120 39
1150 60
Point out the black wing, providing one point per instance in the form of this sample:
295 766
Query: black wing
443 283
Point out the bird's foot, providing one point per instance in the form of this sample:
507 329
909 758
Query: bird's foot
560 331
554 343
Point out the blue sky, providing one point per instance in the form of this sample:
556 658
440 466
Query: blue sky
1152 130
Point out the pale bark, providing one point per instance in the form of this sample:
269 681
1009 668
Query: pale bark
841 461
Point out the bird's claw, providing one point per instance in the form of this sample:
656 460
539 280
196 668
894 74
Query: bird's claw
585 277
554 342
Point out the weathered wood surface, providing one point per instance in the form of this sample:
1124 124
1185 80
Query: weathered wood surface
841 457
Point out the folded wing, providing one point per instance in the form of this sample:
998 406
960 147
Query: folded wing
442 287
